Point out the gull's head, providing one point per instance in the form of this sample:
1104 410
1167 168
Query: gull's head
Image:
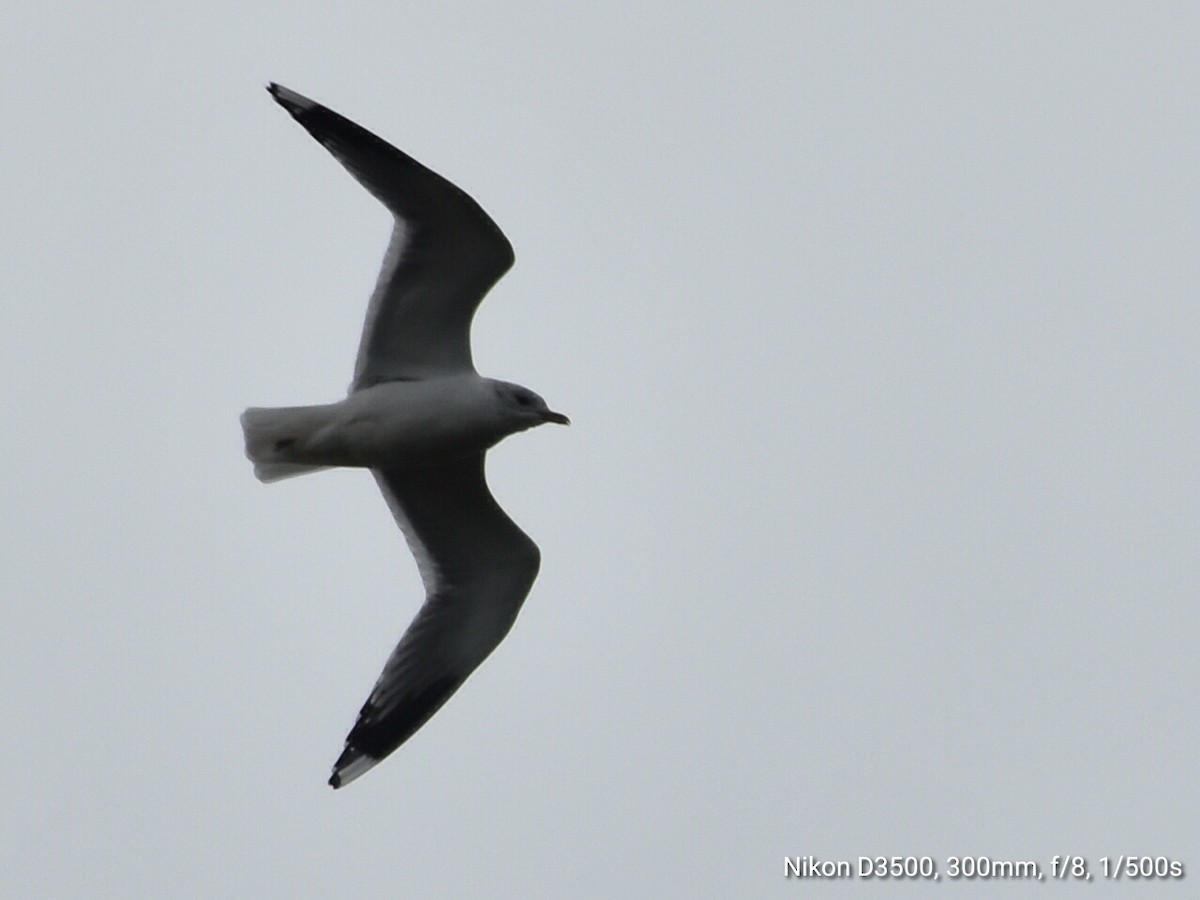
522 408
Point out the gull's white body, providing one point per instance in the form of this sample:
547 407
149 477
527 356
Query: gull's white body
421 419
392 423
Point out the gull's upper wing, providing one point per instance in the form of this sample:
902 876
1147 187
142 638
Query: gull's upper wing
444 256
477 566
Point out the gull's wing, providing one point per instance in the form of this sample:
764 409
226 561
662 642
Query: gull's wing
444 256
477 566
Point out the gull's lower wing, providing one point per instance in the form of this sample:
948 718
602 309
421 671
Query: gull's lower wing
478 567
444 256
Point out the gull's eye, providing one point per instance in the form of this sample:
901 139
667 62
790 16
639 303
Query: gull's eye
524 400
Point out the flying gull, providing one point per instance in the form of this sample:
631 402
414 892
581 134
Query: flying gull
421 419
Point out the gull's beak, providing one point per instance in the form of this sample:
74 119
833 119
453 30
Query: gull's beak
556 418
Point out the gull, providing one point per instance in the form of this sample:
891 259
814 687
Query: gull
421 419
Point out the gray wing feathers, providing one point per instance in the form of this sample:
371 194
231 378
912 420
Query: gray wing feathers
444 256
478 567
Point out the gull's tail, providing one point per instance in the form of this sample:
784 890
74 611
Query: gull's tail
273 436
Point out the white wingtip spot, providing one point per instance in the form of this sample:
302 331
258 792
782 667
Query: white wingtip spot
352 770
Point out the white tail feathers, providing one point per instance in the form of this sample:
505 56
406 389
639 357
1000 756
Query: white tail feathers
273 436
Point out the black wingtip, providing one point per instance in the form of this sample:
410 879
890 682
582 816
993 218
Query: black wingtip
295 103
335 781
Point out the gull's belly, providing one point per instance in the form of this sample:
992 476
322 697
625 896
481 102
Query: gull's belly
401 423
394 436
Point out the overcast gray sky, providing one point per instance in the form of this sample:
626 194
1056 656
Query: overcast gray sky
876 531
